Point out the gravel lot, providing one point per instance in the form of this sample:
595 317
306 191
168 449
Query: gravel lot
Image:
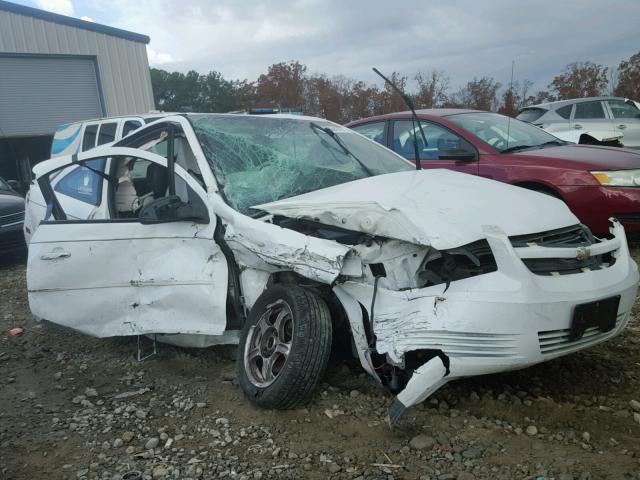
76 407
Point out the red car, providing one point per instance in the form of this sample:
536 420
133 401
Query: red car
595 182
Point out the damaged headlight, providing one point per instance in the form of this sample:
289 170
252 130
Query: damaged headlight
456 264
402 266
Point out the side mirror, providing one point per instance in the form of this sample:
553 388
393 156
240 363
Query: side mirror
173 209
14 184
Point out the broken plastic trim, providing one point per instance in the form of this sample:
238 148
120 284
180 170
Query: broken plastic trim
320 230
424 382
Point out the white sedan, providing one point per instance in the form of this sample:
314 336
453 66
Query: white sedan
290 234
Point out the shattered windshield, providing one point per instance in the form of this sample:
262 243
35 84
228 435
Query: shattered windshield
263 159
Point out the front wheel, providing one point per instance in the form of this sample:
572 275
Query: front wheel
284 346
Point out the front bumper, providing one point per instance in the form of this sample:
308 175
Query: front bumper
505 320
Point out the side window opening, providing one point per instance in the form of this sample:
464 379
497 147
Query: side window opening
156 142
89 137
622 109
438 138
138 183
107 133
565 112
588 110
373 131
132 183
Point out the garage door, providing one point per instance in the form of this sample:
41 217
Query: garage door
37 94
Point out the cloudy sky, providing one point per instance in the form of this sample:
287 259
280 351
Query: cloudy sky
464 38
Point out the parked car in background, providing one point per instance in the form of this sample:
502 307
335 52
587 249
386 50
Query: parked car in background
82 136
11 218
289 235
604 120
78 186
597 183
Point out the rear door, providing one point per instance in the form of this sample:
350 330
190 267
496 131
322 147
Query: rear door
591 116
626 118
122 276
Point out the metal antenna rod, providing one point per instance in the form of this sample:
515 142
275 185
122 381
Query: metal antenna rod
513 62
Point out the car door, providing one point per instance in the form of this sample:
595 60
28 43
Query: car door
129 276
443 148
591 116
625 116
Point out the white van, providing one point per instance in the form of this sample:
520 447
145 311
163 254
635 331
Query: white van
79 186
82 136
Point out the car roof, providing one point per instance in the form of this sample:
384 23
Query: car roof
560 103
424 112
133 115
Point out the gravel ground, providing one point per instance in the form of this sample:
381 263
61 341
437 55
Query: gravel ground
76 407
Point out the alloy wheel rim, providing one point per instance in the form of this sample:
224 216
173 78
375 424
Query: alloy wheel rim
267 349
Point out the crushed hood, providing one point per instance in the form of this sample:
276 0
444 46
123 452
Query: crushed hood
440 208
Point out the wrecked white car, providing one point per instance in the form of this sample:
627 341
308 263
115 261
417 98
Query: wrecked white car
290 234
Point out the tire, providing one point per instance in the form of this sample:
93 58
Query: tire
284 318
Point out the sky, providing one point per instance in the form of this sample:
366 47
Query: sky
463 38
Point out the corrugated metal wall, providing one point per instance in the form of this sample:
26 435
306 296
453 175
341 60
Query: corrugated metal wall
38 94
123 64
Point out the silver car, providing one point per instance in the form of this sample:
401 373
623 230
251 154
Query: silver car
603 116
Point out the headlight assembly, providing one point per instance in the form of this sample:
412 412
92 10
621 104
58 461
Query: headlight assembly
618 178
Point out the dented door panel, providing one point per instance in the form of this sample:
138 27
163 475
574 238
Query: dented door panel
110 279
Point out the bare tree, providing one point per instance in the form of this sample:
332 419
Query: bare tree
432 89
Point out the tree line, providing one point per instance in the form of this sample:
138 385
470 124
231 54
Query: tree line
342 99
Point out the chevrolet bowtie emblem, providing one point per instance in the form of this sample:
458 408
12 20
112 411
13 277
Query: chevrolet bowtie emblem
583 253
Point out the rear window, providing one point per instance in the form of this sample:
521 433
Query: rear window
531 114
107 133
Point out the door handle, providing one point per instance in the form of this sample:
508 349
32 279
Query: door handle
622 126
54 255
577 126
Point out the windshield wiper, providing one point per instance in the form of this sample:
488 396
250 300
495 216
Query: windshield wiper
339 141
414 118
517 148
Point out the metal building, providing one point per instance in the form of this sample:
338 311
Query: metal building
56 69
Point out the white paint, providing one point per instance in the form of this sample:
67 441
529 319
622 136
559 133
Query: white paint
440 208
574 135
252 283
425 381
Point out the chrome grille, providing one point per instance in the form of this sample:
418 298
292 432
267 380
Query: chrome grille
569 237
574 236
11 218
